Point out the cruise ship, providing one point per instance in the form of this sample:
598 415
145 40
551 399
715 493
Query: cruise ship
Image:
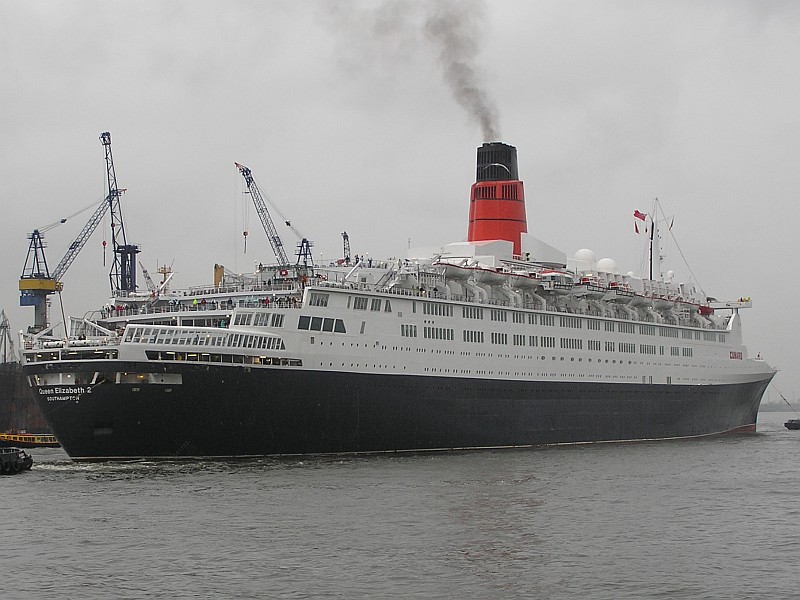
499 341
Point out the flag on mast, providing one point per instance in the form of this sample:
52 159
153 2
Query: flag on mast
640 215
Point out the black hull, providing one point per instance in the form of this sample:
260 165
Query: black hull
240 411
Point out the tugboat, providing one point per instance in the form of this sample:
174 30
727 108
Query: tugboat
14 460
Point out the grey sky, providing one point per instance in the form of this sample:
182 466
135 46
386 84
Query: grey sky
344 114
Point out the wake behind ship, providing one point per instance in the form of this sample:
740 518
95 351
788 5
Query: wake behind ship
494 342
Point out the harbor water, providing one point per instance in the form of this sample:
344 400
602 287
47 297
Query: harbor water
704 518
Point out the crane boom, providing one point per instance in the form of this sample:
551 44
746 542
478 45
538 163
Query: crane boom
80 241
263 214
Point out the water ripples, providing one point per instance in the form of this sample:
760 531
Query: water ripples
686 519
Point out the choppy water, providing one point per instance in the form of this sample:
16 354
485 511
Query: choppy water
712 518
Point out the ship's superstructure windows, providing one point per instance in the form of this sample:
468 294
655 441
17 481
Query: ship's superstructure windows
647 348
438 309
721 337
499 338
572 344
243 319
609 325
437 333
627 347
593 324
573 322
518 339
533 318
375 304
668 332
549 320
473 336
388 306
674 351
241 359
687 352
73 354
360 303
472 312
320 324
547 341
518 317
499 315
277 319
593 344
710 336
318 299
610 346
170 335
647 329
627 328
686 334
408 330
533 340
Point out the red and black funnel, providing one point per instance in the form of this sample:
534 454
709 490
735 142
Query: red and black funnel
497 199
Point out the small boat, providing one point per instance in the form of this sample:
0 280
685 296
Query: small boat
14 460
28 440
792 424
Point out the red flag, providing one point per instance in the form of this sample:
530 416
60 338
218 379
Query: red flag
640 215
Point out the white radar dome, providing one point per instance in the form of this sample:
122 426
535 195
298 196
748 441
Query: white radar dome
587 257
607 265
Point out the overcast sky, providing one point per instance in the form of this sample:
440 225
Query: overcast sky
346 114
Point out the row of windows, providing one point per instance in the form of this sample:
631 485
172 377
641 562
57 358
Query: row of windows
499 315
437 333
436 308
499 338
224 358
362 303
260 319
194 337
473 336
572 343
408 330
321 324
472 312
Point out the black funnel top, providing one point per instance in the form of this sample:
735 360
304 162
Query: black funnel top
497 162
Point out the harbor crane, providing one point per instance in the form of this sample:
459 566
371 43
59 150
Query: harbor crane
6 341
346 249
37 282
304 247
123 270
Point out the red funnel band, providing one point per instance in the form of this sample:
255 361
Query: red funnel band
497 212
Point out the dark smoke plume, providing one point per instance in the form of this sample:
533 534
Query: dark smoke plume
453 26
393 30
